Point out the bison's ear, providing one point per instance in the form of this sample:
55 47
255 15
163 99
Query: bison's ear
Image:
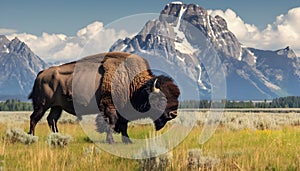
156 86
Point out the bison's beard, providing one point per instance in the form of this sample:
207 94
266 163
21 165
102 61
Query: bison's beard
160 123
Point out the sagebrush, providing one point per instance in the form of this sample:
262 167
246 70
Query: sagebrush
14 135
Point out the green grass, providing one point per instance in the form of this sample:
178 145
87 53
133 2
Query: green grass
236 150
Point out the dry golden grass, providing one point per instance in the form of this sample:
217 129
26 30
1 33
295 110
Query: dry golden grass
235 150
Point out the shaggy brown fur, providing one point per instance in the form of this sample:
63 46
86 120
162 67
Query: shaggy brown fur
114 80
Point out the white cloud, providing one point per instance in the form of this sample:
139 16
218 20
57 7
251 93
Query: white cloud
234 22
7 31
91 39
285 31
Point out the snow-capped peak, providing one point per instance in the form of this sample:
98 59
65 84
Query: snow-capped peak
181 42
5 49
177 2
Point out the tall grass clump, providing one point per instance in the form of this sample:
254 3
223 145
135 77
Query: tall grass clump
58 140
92 151
14 135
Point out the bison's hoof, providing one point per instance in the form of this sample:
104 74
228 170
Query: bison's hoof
126 140
110 141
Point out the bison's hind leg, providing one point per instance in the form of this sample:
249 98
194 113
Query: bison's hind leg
53 117
111 114
35 117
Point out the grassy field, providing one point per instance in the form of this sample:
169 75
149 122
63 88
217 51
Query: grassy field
255 148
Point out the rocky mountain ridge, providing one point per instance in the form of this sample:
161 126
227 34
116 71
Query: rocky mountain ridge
19 67
190 39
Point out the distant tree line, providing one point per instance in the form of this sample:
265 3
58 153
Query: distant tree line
281 102
286 102
15 105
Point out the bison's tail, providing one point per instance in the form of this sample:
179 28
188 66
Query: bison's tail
30 96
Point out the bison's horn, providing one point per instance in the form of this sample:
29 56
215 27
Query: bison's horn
156 90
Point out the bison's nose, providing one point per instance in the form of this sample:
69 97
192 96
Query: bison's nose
173 114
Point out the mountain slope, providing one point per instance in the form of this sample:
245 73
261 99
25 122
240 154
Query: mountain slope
19 67
195 43
281 67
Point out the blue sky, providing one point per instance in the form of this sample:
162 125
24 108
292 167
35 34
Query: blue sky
68 16
59 30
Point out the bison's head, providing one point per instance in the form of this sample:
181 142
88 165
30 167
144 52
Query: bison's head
164 100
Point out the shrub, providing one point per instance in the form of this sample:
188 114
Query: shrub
68 121
197 161
160 162
252 121
208 162
154 157
59 140
14 135
194 156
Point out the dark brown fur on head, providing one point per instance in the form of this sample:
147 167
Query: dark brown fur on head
171 93
161 106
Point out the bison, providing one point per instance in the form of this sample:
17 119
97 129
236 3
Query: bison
123 87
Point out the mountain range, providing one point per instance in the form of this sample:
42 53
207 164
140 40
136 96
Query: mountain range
198 45
18 67
185 42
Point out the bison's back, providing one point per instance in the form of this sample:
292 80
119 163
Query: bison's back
98 75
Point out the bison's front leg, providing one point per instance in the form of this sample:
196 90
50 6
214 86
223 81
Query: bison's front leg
125 137
53 117
122 126
109 137
111 113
